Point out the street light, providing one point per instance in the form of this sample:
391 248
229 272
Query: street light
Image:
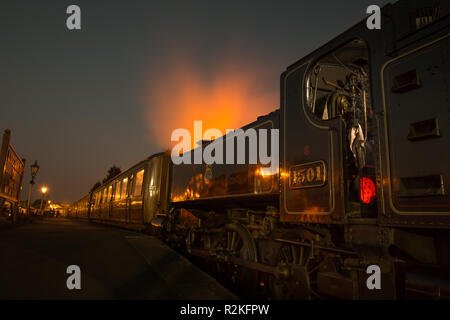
34 171
44 190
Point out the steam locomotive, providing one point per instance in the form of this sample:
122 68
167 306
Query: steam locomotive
363 177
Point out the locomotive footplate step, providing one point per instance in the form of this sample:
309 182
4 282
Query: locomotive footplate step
183 277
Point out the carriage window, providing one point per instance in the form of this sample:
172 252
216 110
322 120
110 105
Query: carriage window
338 84
109 194
123 193
138 184
112 191
117 186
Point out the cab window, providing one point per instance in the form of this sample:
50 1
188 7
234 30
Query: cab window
338 84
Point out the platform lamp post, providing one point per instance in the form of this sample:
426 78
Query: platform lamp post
34 171
44 191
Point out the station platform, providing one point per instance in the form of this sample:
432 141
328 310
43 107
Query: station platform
114 264
179 273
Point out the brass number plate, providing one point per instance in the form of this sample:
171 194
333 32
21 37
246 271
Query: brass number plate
308 175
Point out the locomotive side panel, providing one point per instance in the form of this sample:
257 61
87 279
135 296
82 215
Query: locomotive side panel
416 97
327 132
304 143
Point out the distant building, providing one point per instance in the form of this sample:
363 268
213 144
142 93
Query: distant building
12 168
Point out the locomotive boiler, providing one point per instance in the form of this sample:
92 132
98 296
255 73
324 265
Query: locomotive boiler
362 181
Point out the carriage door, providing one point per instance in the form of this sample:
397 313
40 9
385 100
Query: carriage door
152 190
136 208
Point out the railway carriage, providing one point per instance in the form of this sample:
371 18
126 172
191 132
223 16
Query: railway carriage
80 209
132 198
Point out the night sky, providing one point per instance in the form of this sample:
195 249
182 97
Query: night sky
112 92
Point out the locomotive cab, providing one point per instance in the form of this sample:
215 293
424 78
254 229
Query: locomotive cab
334 106
337 86
365 143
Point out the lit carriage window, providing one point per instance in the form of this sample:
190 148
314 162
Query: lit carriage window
113 191
138 184
108 198
118 185
123 193
105 195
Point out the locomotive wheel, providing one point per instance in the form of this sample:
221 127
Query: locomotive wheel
299 284
236 241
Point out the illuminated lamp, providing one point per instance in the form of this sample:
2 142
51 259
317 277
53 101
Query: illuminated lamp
368 190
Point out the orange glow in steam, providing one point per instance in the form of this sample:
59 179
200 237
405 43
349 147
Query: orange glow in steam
228 96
